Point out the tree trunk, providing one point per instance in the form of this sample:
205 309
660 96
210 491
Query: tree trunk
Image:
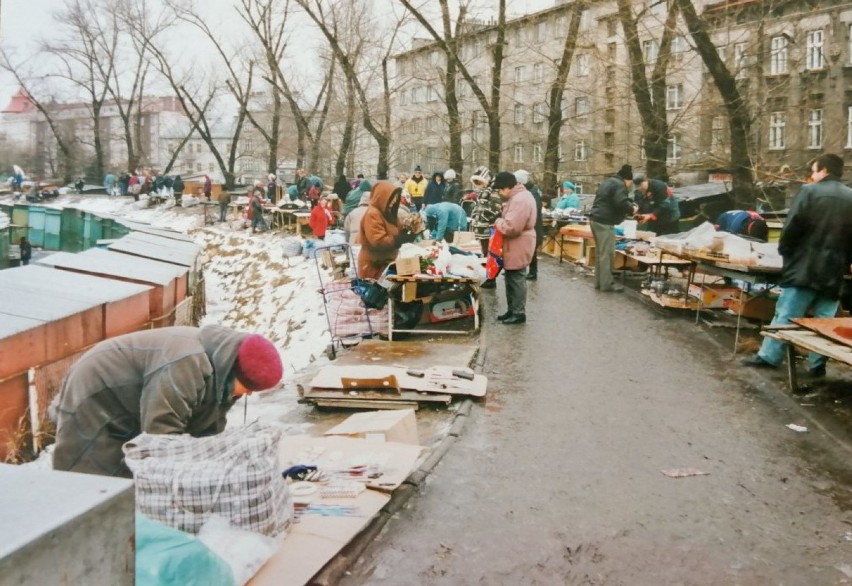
456 158
348 131
274 133
555 120
99 147
735 106
493 112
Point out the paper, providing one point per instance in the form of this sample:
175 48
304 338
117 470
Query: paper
799 428
683 472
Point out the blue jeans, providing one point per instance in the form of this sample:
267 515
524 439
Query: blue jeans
793 303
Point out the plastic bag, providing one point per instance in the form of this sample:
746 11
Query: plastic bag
442 262
168 557
333 237
467 266
310 249
244 551
409 250
291 246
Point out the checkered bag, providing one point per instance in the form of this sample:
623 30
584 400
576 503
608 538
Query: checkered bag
183 480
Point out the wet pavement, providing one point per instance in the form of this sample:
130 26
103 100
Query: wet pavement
557 478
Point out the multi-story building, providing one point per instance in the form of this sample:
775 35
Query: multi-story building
794 67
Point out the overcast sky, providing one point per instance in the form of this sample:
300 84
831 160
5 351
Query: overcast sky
25 21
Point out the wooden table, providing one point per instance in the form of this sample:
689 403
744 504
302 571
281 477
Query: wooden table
470 285
795 335
655 263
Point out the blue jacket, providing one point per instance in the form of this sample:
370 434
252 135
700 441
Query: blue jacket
449 216
572 200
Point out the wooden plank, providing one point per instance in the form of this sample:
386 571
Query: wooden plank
360 404
436 379
378 396
828 327
815 343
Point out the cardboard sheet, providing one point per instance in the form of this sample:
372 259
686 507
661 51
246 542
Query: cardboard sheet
385 426
315 540
437 379
832 328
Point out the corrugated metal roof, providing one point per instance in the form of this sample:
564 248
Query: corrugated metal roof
15 324
116 264
690 192
48 294
148 229
158 248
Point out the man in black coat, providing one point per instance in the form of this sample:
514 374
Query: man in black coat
816 244
612 204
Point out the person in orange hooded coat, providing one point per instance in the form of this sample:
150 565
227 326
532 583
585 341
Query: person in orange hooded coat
381 234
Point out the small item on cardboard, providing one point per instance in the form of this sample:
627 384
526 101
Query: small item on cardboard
342 489
797 428
683 472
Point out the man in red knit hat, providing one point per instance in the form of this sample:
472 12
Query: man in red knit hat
168 380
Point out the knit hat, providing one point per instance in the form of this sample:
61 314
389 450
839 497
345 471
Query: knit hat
638 178
522 176
568 185
258 364
626 172
417 168
504 179
449 174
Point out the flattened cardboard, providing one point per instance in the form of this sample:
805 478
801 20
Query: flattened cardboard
437 379
390 426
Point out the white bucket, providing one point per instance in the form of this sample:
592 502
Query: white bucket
629 227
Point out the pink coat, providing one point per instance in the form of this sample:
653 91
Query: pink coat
517 224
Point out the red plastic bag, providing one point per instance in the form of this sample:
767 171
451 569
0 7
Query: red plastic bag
494 263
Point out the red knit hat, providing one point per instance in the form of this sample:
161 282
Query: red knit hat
258 364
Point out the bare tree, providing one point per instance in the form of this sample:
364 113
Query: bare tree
555 115
739 121
330 18
348 131
490 104
650 96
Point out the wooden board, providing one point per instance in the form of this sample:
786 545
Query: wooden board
827 326
404 397
437 379
814 342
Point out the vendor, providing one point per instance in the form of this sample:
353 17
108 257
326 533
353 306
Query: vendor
353 199
381 233
445 219
164 381
658 208
569 200
743 223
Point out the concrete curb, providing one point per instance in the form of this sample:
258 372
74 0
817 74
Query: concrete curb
340 564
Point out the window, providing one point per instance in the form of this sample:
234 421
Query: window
611 27
432 94
402 65
188 166
650 50
849 31
678 46
519 74
210 168
435 59
612 52
519 114
717 133
402 97
674 150
540 112
538 157
643 154
248 145
609 140
740 60
674 97
198 146
814 57
583 65
778 55
815 129
541 32
519 152
198 167
585 19
723 53
581 151
461 88
777 125
849 127
559 151
477 49
581 107
538 73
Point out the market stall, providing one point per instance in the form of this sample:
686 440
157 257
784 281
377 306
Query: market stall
830 337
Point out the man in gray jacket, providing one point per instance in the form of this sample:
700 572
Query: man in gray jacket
167 381
612 204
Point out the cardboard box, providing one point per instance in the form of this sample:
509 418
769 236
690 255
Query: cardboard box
573 248
463 237
408 266
590 255
714 296
760 308
394 425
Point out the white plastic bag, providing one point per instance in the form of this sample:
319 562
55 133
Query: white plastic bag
409 250
244 551
467 266
442 262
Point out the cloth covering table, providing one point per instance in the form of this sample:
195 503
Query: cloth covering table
471 290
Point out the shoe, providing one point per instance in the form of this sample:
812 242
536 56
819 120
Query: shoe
504 316
818 372
755 361
532 277
515 319
614 289
489 284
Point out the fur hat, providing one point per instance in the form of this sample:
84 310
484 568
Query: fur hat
449 174
504 179
522 176
626 172
258 364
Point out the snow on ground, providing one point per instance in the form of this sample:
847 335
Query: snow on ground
250 287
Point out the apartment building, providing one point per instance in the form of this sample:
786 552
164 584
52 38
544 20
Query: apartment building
794 65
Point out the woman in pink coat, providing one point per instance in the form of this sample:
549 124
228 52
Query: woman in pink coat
517 225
